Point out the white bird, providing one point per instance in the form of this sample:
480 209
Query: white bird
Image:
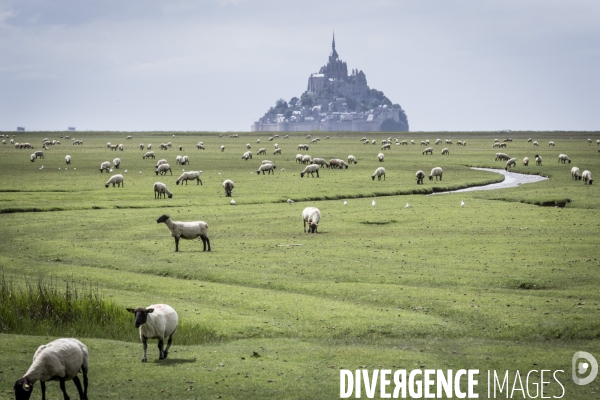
42 167
58 167
462 203
125 171
407 205
373 203
290 201
183 170
140 172
218 173
75 168
282 169
250 172
345 202
110 170
232 202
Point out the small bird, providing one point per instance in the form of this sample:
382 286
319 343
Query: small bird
183 170
407 205
373 203
218 173
110 170
58 167
290 201
125 171
345 202
462 203
282 169
42 167
232 202
140 172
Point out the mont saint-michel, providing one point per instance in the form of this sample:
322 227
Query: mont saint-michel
335 101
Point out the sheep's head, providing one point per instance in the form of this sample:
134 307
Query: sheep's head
170 195
373 177
141 315
23 389
164 217
430 177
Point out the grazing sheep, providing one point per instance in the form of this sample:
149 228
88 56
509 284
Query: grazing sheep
379 172
68 159
180 148
105 166
169 144
564 158
310 169
32 157
189 175
502 157
163 168
177 160
60 360
526 161
266 167
142 146
428 150
536 143
512 161
157 321
445 151
228 186
438 141
529 140
39 154
437 171
115 179
352 159
222 148
128 138
277 151
538 159
551 144
303 147
380 157
186 230
161 189
185 160
587 177
423 143
575 173
312 216
162 161
306 159
299 158
420 176
262 151
448 141
200 146
248 147
121 147
116 163
257 141
336 163
247 155
149 154
386 146
321 162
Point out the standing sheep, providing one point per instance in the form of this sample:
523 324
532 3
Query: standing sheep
428 150
116 163
163 168
142 146
277 151
575 173
564 158
228 186
247 155
189 175
157 321
380 157
161 189
105 166
68 159
587 177
60 360
379 172
512 161
310 169
262 151
115 179
437 171
149 154
186 230
538 159
266 167
352 159
222 149
420 176
312 216
526 161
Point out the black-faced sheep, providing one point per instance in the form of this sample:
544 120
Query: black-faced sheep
161 189
563 158
157 321
587 177
551 144
352 159
115 180
247 155
186 230
312 216
105 166
163 168
266 167
538 159
509 163
575 173
189 175
428 150
437 171
420 176
379 172
310 169
228 186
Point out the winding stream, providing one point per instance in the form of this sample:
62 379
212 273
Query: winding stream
511 179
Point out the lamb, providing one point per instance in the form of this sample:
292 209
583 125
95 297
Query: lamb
575 173
68 159
266 167
247 155
162 169
321 162
437 171
149 154
157 321
60 360
428 150
310 169
189 175
105 166
277 151
502 157
420 176
445 151
564 158
352 159
512 161
526 161
228 186
538 159
186 230
115 179
116 163
380 157
262 151
161 189
379 172
587 177
312 216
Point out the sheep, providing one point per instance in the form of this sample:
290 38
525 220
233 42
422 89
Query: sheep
551 143
321 162
184 160
178 160
445 151
299 158
379 172
277 151
587 177
115 179
266 167
180 148
200 146
512 161
262 151
310 169
423 143
149 154
121 147
161 189
380 157
386 146
352 159
306 159
536 143
186 230
228 186
68 159
116 163
502 157
162 161
420 176
373 142
438 141
538 159
257 141
448 141
128 138
247 155
276 146
336 163
157 321
312 216
78 142
428 150
575 173
189 175
169 144
222 149
427 142
113 147
163 168
303 147
32 157
564 158
437 171
288 136
248 147
60 360
39 154
526 161
105 166
141 146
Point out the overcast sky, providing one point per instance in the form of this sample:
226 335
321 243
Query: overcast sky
218 65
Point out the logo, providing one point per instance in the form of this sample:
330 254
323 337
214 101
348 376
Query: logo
580 368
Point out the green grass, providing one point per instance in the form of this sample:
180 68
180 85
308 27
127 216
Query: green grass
499 284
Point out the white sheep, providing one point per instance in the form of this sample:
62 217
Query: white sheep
266 167
310 169
142 146
189 175
428 150
161 161
299 158
262 151
163 146
32 157
222 149
121 147
59 360
185 160
177 160
386 146
116 163
228 186
502 157
437 171
352 159
380 157
535 143
115 179
512 161
320 161
248 147
420 176
186 230
379 172
564 158
538 159
163 168
277 151
161 189
180 148
438 141
575 173
551 144
306 159
526 161
149 154
335 163
312 216
445 151
157 321
587 177
68 159
257 141
247 155
105 166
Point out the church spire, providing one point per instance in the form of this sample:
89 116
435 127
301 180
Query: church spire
334 54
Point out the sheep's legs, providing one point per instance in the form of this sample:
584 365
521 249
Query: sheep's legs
85 382
161 353
205 241
176 244
145 346
168 345
82 394
64 390
43 384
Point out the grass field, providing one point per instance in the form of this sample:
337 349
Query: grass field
508 282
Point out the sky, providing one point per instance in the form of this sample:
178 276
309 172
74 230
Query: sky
219 65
